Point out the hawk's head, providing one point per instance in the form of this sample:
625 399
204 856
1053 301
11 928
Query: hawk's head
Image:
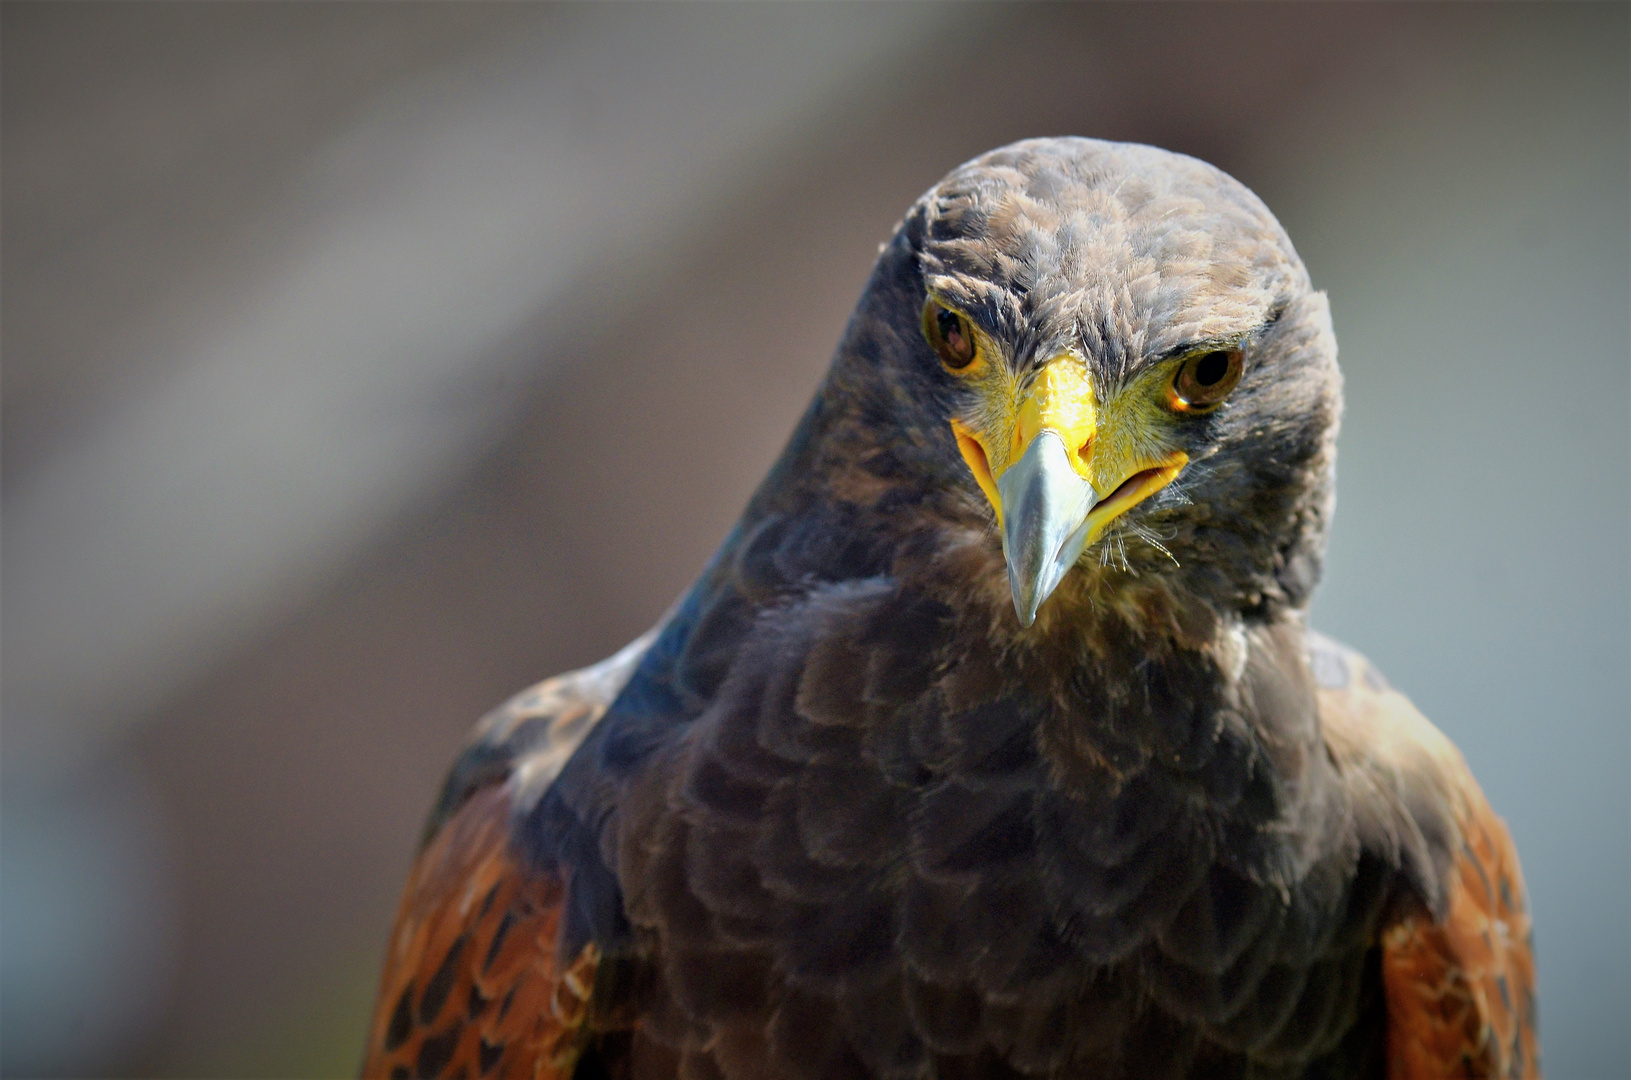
1108 360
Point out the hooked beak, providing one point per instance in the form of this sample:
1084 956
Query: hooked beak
1063 482
1044 521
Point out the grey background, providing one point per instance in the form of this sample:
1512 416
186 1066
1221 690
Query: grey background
364 364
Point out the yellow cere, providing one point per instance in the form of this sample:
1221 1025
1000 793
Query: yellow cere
1124 440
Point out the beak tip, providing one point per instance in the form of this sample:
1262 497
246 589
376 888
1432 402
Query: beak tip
1028 601
1027 597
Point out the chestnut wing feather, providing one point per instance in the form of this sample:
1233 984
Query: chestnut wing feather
1460 989
473 983
1458 969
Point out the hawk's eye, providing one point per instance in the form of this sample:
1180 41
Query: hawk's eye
1205 379
951 336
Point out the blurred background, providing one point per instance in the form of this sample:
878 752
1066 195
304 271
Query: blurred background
364 364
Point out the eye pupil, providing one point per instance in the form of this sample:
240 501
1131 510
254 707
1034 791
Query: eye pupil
1205 379
951 338
1212 368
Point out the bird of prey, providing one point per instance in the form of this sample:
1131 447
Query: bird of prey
993 741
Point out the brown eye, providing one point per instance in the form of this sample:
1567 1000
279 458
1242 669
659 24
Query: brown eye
1205 379
950 335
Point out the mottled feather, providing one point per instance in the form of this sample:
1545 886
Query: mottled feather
1457 960
475 982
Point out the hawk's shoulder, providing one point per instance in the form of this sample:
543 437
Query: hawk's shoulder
476 981
1457 962
526 741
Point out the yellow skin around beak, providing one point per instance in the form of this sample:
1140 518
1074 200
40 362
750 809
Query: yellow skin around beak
1117 449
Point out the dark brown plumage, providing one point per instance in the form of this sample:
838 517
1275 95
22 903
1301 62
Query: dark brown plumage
850 811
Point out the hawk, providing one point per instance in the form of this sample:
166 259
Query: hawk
993 741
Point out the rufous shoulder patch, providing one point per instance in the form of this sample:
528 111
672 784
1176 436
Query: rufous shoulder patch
1461 990
1458 969
473 985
